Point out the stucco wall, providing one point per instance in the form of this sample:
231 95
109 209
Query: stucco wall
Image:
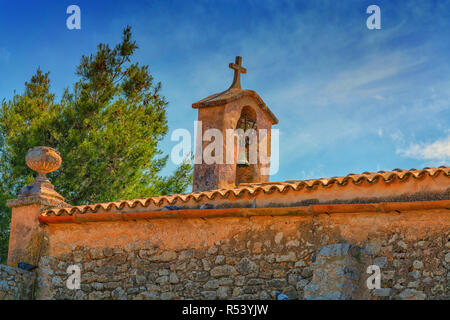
249 258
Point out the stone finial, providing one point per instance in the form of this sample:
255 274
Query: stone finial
42 160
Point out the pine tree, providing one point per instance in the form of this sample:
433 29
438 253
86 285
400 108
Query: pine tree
107 129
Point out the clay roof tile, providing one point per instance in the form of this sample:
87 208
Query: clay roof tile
254 189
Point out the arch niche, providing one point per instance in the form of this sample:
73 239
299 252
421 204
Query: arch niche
247 148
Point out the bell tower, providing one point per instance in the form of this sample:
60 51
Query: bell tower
233 137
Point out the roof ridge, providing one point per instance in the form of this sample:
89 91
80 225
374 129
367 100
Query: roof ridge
255 188
233 94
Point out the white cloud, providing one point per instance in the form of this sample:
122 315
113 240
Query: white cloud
397 136
371 77
317 173
380 132
437 151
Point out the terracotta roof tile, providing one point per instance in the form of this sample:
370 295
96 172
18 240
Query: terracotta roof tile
254 189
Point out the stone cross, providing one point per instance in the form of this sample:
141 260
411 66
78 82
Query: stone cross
238 69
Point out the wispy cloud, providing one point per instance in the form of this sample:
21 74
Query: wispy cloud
438 151
380 132
312 174
371 78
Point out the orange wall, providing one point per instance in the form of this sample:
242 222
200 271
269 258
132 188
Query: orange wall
195 233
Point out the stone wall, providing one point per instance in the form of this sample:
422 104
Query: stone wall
16 284
321 257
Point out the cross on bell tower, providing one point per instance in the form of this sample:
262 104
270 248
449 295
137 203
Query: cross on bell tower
238 69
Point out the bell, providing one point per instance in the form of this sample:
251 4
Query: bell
243 158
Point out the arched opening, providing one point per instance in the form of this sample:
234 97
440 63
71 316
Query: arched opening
247 149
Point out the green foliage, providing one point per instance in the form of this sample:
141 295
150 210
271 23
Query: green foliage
107 129
5 220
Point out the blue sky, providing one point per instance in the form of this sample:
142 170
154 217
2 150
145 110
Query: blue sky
348 99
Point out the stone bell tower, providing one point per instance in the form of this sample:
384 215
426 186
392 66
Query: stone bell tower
233 137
